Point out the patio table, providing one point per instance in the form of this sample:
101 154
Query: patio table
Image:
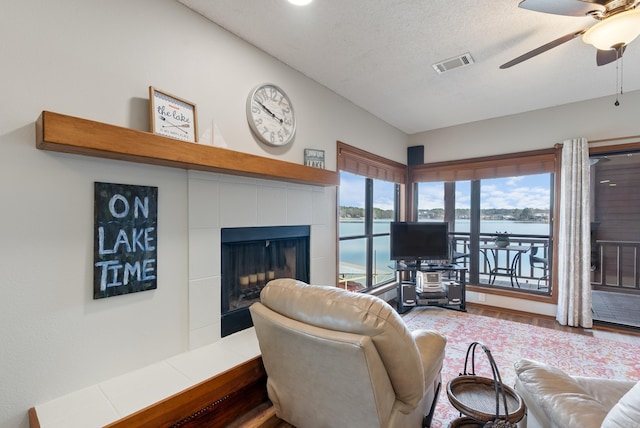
512 264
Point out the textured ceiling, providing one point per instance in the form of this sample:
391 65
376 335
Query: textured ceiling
379 54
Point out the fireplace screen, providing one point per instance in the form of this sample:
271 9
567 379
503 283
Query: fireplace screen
253 256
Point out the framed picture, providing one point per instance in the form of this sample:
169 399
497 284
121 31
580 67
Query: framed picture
172 116
314 158
125 239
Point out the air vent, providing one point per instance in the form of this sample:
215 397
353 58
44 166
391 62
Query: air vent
451 63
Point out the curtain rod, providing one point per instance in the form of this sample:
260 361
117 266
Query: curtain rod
605 140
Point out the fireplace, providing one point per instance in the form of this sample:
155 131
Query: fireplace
251 257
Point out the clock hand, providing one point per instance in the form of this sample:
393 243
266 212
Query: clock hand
271 113
172 124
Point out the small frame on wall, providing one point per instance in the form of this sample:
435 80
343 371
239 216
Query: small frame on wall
314 158
172 116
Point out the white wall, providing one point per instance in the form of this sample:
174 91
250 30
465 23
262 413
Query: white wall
96 60
595 119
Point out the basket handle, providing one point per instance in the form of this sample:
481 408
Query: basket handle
497 379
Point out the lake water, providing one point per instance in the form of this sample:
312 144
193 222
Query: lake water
352 251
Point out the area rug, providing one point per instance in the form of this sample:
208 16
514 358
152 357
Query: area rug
509 341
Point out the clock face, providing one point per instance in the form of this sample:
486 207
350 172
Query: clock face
270 115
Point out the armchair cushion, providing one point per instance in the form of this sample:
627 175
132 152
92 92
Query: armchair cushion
360 314
344 340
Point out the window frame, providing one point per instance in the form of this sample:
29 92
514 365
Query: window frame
474 169
371 167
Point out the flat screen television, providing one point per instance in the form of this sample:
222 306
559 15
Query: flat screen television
420 241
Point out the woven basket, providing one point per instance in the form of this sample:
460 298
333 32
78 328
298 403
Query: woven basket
484 399
465 422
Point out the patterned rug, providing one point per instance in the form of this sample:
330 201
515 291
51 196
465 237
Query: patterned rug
509 341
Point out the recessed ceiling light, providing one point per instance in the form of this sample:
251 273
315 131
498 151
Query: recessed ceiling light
300 2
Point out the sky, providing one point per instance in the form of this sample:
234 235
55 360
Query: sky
528 191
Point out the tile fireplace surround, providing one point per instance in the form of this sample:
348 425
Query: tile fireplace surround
219 201
215 201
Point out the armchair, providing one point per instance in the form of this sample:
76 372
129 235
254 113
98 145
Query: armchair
335 358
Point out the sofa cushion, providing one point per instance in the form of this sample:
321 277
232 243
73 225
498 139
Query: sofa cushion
626 413
558 396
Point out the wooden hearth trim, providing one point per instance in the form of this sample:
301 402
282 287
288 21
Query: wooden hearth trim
212 403
215 402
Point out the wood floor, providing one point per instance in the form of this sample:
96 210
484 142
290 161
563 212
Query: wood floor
265 417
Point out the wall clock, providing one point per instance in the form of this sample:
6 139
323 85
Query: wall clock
270 115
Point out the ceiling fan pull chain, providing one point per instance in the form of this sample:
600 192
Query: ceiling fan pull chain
621 73
618 77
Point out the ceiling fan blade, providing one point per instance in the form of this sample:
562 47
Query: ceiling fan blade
543 48
564 7
606 57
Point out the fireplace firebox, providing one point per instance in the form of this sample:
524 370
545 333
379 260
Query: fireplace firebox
251 257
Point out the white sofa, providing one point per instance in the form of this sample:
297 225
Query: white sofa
556 400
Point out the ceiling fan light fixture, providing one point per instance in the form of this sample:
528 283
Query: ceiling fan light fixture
615 31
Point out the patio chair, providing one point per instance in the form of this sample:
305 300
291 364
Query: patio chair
538 262
457 256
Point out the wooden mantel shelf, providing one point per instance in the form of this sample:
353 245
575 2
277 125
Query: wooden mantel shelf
67 134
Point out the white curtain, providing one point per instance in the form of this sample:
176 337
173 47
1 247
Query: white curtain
574 281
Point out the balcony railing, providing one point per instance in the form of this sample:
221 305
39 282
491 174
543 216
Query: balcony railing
616 266
522 265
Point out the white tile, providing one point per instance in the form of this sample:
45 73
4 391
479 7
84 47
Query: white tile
323 271
205 335
202 175
138 389
243 343
299 206
205 362
84 408
204 302
238 179
323 241
238 204
272 206
324 206
203 204
271 183
204 253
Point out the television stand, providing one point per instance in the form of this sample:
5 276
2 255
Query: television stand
445 288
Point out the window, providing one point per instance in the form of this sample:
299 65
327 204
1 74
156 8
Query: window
482 199
369 199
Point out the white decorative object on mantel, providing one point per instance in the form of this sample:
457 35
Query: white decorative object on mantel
218 139
213 137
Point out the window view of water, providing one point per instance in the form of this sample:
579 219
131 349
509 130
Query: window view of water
518 206
351 251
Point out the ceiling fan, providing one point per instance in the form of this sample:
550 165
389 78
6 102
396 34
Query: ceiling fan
618 25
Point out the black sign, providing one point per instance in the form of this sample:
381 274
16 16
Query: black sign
125 239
